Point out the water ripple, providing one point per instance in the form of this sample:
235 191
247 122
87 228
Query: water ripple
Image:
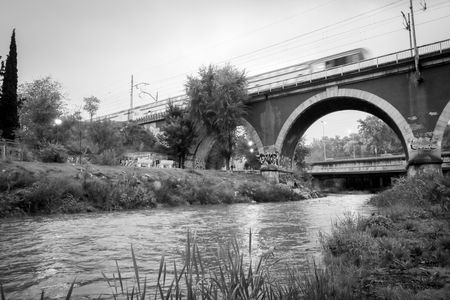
49 252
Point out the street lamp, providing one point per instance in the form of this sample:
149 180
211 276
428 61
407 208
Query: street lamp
323 140
57 122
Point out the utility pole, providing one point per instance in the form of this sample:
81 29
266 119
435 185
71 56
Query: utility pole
323 140
130 117
416 51
408 27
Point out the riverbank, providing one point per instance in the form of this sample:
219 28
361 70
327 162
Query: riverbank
401 252
29 188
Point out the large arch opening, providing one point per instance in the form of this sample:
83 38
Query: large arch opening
348 135
207 151
339 100
442 129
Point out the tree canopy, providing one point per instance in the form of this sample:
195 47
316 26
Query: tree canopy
177 133
378 137
42 103
91 105
9 118
374 138
217 98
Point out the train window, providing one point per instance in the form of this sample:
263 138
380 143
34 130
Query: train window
336 62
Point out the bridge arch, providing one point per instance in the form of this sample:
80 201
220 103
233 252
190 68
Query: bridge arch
206 142
441 125
335 99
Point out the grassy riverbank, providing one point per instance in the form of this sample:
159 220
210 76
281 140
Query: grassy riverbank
402 252
28 188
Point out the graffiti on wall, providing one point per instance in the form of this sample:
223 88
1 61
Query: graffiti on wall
423 144
199 164
269 158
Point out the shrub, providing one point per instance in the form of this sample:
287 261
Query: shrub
53 153
348 242
46 195
125 193
108 157
171 192
420 191
97 191
268 192
10 180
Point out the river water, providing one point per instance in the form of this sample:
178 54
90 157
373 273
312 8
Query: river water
50 252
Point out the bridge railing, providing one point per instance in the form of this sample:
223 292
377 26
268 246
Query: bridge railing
394 163
290 77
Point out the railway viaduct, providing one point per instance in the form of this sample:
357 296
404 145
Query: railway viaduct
416 107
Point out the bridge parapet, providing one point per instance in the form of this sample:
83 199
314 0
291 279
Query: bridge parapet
289 76
384 164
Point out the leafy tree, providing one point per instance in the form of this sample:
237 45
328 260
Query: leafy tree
9 118
217 103
42 103
353 145
104 135
72 133
300 154
378 137
136 138
243 149
446 139
91 105
178 132
2 72
215 158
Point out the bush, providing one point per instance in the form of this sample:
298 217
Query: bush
171 192
47 195
350 242
108 157
97 192
53 153
10 180
125 193
268 192
420 191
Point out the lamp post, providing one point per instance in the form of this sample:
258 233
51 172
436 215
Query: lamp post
323 140
57 123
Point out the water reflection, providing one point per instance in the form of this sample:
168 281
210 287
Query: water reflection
49 252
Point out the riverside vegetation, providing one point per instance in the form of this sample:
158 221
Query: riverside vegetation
28 188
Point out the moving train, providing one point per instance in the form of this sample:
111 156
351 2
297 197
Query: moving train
308 68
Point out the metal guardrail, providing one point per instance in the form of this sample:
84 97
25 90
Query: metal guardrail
376 62
390 163
284 77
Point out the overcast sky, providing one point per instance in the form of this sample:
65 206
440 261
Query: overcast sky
93 47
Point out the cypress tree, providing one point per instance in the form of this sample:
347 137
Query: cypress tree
9 118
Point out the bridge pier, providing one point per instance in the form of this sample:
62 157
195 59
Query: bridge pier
424 168
272 175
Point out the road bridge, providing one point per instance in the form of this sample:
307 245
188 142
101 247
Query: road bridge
281 109
362 173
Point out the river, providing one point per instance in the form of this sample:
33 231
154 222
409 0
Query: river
50 252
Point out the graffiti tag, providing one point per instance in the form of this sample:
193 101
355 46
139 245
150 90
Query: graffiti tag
425 144
269 158
199 164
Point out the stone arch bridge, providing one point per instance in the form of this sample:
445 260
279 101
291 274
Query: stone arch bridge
416 107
